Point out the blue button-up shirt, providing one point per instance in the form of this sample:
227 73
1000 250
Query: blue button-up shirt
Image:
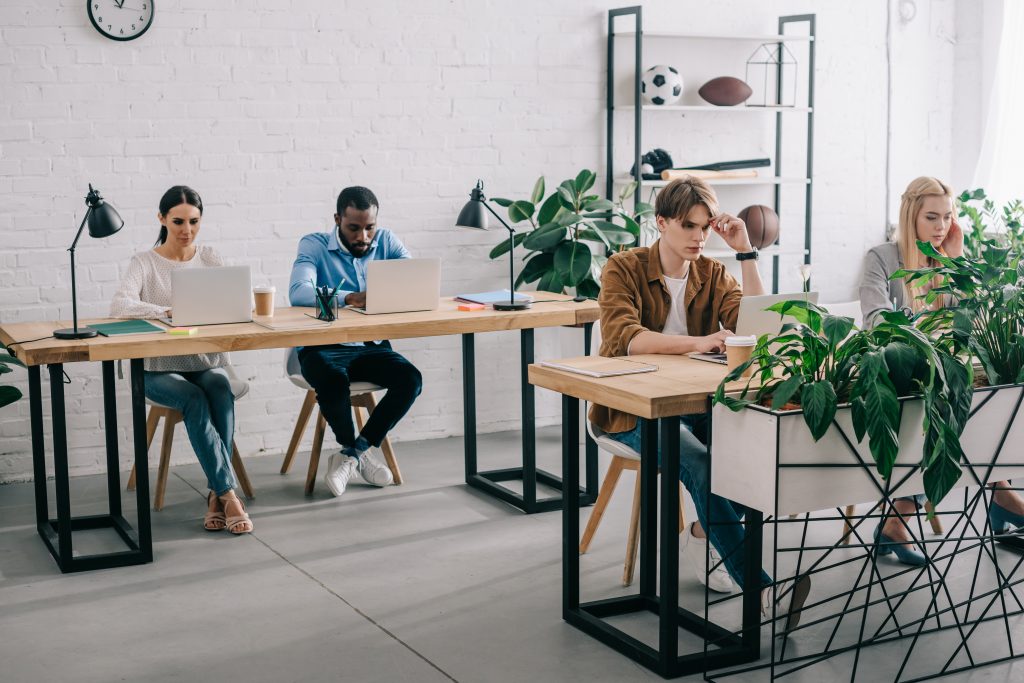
323 259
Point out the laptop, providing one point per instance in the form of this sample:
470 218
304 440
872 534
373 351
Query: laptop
754 321
402 286
210 296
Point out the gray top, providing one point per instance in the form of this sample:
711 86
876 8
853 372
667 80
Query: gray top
877 291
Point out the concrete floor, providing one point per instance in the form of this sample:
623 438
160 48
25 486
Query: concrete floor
429 581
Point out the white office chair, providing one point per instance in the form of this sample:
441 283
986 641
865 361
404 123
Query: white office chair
623 458
172 417
362 397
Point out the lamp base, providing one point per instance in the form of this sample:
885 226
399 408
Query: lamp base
511 305
71 333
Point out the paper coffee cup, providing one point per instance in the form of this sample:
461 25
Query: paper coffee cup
264 295
738 350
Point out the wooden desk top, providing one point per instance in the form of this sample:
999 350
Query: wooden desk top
680 386
294 328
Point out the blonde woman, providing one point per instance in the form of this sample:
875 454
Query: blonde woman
927 214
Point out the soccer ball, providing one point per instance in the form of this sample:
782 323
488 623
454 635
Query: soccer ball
661 85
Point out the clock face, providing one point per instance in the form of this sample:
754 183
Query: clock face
121 19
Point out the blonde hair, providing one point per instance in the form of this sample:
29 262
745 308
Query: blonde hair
682 194
911 202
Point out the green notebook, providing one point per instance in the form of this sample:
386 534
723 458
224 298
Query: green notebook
127 327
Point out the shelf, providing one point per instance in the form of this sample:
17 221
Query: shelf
711 107
768 251
763 180
707 36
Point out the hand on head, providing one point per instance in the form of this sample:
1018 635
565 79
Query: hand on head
953 244
733 231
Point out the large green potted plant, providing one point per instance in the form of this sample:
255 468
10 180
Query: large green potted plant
982 318
986 225
8 394
822 387
557 256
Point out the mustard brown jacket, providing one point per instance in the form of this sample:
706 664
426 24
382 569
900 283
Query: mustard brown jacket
634 298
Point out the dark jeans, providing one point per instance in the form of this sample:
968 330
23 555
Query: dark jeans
330 370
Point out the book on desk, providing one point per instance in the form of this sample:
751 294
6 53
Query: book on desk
599 366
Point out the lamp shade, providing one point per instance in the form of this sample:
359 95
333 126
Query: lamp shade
104 220
473 214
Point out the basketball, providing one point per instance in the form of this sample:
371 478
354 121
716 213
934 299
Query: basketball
762 225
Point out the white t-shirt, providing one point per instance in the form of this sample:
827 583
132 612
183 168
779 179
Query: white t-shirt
675 323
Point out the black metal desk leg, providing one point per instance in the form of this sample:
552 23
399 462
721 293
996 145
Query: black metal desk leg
62 488
648 511
591 445
35 398
752 538
668 647
141 458
469 404
570 505
110 425
529 422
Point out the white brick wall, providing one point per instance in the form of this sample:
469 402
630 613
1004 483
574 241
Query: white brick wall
269 108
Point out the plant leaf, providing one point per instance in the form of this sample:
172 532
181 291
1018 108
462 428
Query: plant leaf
503 247
544 238
549 209
501 201
584 181
550 282
535 268
819 402
538 191
572 261
785 390
9 395
520 211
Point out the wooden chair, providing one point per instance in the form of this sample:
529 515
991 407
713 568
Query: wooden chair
623 458
362 398
172 417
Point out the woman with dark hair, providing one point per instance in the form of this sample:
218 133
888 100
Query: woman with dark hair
197 385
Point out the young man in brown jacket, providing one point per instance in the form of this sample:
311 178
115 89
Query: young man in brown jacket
671 299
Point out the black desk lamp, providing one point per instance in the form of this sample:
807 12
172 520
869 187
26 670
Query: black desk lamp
474 217
103 221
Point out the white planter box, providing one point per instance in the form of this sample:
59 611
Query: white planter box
993 410
752 448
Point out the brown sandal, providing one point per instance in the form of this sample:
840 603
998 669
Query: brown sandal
237 524
214 519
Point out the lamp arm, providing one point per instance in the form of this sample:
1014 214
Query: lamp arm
74 292
511 230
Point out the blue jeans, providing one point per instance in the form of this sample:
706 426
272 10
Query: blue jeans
207 404
726 533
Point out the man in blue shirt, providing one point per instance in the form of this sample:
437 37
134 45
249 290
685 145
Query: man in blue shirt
341 256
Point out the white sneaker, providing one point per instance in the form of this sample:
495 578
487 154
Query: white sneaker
694 551
793 598
373 471
340 469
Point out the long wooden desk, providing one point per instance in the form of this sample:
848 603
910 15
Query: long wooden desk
680 386
289 327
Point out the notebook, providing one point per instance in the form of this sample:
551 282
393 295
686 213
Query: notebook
127 327
598 366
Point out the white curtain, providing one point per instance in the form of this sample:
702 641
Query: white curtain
1000 169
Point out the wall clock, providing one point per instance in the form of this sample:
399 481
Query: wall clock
120 19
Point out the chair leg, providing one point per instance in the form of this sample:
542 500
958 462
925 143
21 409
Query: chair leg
386 448
611 478
633 539
171 418
152 420
845 538
314 455
936 523
243 476
300 427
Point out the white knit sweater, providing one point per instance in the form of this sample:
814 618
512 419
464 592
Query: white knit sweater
145 292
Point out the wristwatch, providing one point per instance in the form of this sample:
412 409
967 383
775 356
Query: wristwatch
747 255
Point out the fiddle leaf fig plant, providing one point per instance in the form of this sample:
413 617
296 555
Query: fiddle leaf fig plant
8 394
822 362
557 257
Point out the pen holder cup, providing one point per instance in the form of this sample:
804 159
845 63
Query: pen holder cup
327 310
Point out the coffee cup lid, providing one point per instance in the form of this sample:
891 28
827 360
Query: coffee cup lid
264 289
741 340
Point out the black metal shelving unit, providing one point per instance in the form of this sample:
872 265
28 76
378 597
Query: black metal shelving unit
778 179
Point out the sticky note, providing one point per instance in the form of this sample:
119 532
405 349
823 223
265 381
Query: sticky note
471 307
182 331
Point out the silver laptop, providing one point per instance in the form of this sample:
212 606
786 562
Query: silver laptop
210 296
754 321
402 285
